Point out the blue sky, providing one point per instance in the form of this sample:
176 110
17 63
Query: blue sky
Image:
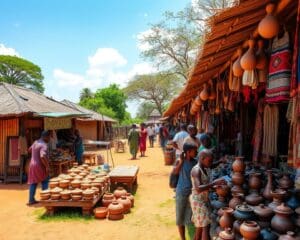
81 43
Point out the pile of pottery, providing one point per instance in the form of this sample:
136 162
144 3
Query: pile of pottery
115 205
80 184
269 210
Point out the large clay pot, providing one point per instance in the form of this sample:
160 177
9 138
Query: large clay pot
289 236
236 67
248 60
107 199
243 212
204 94
278 196
261 58
236 200
237 189
226 221
131 198
250 230
268 27
237 178
100 212
115 208
267 191
222 191
119 192
263 212
255 181
126 203
227 234
294 202
282 221
254 199
285 182
238 165
268 234
236 227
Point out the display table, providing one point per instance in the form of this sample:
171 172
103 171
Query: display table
126 175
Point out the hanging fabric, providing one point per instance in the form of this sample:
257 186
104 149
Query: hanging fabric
270 130
278 84
258 131
295 79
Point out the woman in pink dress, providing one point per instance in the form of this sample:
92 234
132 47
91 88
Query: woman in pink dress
143 139
39 166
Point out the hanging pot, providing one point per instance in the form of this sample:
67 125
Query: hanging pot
269 25
198 101
204 94
212 92
261 58
248 60
236 67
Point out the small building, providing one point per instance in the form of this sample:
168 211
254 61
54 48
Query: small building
154 117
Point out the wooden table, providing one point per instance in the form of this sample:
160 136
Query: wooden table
60 165
126 175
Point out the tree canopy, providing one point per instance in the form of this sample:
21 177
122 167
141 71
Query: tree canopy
86 93
145 109
21 72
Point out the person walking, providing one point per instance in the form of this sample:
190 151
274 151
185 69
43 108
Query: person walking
133 141
39 166
143 139
151 135
179 139
183 169
163 136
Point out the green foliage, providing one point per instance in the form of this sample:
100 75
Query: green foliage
21 72
129 120
86 93
145 109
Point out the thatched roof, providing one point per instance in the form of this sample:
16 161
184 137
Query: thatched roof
17 101
155 113
229 30
93 115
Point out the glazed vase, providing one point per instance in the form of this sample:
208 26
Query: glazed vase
244 212
254 198
226 221
269 186
294 202
237 178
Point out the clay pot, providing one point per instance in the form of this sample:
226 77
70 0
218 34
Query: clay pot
85 185
65 195
248 60
53 184
76 183
227 234
226 221
261 58
250 230
76 192
100 212
236 227
115 217
237 189
96 190
278 196
298 217
254 198
263 212
237 178
282 221
243 212
236 200
115 208
198 101
267 191
45 194
76 197
222 190
238 165
119 192
78 177
255 181
97 185
88 194
91 177
55 196
85 166
56 190
131 198
126 203
237 70
285 182
204 94
294 202
289 236
107 199
267 234
64 184
268 27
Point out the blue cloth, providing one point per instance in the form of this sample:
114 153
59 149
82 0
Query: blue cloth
32 189
79 149
184 185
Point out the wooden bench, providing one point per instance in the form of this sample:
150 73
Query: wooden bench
126 175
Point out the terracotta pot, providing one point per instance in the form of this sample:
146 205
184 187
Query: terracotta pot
76 197
278 196
248 60
261 58
250 230
126 203
236 200
263 212
236 227
56 190
238 165
254 198
64 184
88 194
255 181
243 212
282 221
100 212
131 198
76 183
267 191
198 101
237 189
226 235
45 196
237 178
77 192
289 236
115 208
65 195
226 221
119 192
53 184
285 182
268 234
268 27
78 177
107 199
204 94
237 70
96 190
85 185
115 217
55 196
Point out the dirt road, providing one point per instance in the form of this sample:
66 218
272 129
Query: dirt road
152 218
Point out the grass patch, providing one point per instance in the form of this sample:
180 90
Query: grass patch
165 220
62 215
166 204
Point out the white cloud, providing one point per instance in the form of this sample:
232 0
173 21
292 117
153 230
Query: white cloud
143 46
66 79
107 57
8 51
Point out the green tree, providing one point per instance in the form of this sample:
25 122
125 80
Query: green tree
97 105
115 99
144 110
86 93
21 72
157 89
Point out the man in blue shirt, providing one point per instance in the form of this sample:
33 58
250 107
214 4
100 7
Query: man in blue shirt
179 139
